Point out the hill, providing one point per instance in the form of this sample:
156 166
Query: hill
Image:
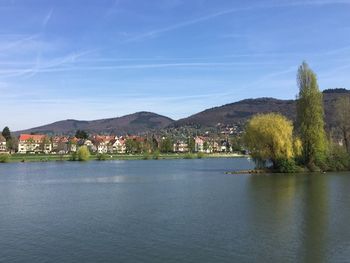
230 114
237 113
136 123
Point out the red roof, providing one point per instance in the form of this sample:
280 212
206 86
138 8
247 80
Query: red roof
35 137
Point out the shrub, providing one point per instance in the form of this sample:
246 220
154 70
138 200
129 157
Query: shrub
4 158
101 157
83 154
200 155
337 159
287 166
188 156
146 156
156 155
73 156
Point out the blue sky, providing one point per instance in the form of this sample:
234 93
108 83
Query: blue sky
96 59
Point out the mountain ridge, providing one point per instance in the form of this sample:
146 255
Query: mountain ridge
236 113
132 123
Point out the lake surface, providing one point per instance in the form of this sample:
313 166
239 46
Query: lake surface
170 211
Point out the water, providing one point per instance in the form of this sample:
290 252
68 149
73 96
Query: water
170 211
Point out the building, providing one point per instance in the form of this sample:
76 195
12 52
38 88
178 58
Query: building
199 144
28 143
119 145
180 147
102 143
72 144
3 147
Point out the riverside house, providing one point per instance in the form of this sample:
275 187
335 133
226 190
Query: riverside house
180 147
37 143
199 144
101 143
119 146
3 148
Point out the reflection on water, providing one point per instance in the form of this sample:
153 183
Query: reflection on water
315 218
170 211
294 209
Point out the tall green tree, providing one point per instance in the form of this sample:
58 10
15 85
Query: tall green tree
6 133
166 146
191 144
132 146
310 117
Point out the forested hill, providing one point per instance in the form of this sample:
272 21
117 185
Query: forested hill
230 114
136 123
239 112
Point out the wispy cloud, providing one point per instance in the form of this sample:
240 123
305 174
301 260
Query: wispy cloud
54 65
47 18
156 32
9 43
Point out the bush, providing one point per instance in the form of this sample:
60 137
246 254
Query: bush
188 156
314 168
287 166
200 155
146 156
4 158
156 155
73 157
101 157
83 154
338 159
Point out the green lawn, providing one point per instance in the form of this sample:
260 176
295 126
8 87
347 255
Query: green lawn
54 157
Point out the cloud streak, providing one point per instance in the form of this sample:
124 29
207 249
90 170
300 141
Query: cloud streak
159 31
47 18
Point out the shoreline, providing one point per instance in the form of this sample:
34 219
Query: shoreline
17 158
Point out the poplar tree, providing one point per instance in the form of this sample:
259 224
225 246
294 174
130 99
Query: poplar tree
310 117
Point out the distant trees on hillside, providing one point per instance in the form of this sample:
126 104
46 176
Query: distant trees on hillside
80 134
343 120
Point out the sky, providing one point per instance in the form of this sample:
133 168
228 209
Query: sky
94 59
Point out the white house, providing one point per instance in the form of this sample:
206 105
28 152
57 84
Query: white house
119 145
199 144
3 148
34 143
180 147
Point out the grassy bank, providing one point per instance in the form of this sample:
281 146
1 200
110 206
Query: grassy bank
108 157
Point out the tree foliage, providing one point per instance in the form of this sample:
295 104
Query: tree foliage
80 134
166 145
191 144
310 117
343 119
6 133
269 138
132 146
4 158
83 154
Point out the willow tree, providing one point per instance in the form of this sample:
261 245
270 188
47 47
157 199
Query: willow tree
310 117
269 138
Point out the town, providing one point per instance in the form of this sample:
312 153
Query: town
110 144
